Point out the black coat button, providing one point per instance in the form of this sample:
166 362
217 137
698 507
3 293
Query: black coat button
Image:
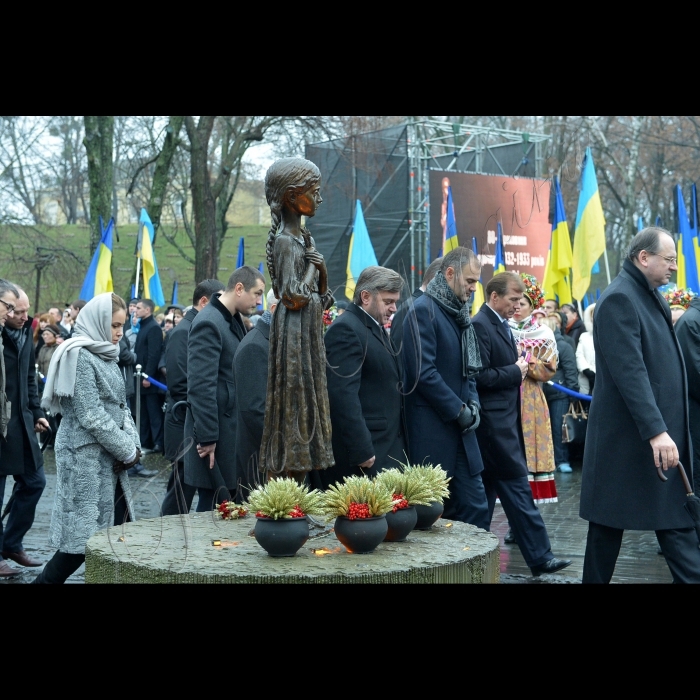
121 405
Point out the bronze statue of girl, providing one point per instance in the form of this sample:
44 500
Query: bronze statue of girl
297 433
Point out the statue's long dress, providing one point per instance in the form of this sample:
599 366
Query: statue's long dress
297 432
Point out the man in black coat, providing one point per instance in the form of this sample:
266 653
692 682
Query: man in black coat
397 322
21 455
148 347
500 432
638 421
250 369
179 495
210 463
363 374
688 332
440 358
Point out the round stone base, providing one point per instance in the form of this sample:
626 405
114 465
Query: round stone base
182 549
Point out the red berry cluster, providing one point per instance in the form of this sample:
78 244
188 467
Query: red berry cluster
358 510
399 502
297 512
260 514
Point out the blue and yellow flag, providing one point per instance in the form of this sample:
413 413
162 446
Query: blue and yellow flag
557 272
589 236
241 254
361 253
499 264
687 275
449 233
174 299
98 279
152 288
478 298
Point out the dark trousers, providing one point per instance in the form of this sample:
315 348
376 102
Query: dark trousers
27 492
208 498
151 420
557 409
178 495
523 515
680 547
467 501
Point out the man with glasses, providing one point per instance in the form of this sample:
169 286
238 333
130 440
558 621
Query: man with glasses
21 456
638 427
8 298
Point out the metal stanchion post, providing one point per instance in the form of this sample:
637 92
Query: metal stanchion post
138 400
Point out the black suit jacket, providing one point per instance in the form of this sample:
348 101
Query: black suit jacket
397 321
148 347
364 391
21 448
500 432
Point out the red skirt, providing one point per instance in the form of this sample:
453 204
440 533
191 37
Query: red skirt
544 489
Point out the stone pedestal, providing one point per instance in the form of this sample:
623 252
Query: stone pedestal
179 549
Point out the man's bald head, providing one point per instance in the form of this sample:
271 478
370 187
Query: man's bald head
21 314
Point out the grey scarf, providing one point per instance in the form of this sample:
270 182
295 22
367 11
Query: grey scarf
92 331
441 293
18 335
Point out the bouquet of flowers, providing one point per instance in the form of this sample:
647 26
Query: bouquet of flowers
228 510
329 315
679 298
284 498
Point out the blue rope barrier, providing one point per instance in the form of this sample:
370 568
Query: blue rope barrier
153 381
570 392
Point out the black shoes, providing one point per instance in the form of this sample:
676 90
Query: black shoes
550 567
140 470
156 449
509 538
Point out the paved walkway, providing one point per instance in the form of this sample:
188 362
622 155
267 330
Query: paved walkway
638 561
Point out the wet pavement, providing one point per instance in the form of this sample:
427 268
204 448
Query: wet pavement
639 561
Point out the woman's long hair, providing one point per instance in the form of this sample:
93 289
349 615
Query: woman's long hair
296 174
37 330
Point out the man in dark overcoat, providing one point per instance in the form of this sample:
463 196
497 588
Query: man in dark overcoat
638 419
148 348
178 494
440 358
250 369
500 432
21 455
364 375
216 331
688 332
396 330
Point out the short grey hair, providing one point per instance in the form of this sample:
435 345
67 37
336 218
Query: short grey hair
6 286
375 279
647 239
272 299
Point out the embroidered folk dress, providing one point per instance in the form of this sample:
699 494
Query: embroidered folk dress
537 340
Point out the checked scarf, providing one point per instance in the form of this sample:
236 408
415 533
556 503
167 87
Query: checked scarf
441 293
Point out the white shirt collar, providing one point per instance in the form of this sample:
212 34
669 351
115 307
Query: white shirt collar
370 315
496 312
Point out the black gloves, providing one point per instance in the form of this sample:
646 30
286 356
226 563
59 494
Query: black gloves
590 375
469 417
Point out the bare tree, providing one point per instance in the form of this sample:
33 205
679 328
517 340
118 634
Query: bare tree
99 142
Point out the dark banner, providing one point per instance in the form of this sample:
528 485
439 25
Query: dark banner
521 205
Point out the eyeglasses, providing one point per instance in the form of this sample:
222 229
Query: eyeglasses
10 307
670 261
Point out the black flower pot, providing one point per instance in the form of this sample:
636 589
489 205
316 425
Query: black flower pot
362 535
283 537
428 515
400 523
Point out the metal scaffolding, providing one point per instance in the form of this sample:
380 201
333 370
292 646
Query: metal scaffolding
440 145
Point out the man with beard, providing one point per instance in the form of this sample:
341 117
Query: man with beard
441 362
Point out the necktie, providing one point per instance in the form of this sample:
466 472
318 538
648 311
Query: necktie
507 327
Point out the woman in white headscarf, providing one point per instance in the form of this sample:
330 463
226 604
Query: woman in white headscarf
97 439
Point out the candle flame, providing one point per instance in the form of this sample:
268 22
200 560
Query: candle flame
324 550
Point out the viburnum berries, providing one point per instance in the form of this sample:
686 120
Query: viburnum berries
260 514
399 502
228 510
358 510
297 512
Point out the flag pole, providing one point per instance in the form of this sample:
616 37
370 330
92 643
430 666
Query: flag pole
607 267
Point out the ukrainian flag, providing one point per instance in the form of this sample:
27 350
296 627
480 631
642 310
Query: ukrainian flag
98 279
499 264
152 288
557 272
449 235
589 236
361 253
478 299
687 275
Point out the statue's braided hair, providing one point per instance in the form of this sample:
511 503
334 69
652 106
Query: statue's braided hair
297 174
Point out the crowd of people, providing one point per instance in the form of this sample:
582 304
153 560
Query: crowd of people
426 381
